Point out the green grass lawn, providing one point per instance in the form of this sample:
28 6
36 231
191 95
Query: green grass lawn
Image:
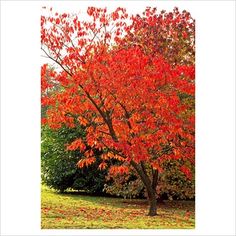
73 211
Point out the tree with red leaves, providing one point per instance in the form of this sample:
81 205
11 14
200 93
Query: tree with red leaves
121 77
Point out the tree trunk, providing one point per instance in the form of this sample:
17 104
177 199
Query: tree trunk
152 207
152 201
150 187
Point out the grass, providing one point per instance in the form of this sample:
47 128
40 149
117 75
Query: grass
73 211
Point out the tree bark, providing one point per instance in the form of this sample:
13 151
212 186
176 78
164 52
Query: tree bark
152 204
152 200
151 190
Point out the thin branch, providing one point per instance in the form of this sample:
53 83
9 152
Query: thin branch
50 57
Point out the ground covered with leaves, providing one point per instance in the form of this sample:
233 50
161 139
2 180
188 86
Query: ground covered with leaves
74 211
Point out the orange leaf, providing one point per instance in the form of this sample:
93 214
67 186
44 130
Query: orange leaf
102 166
86 162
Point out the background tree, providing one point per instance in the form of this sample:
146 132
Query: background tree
58 166
170 34
127 100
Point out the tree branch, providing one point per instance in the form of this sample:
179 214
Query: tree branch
50 57
154 179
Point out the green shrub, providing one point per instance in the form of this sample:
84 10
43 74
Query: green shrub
58 166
